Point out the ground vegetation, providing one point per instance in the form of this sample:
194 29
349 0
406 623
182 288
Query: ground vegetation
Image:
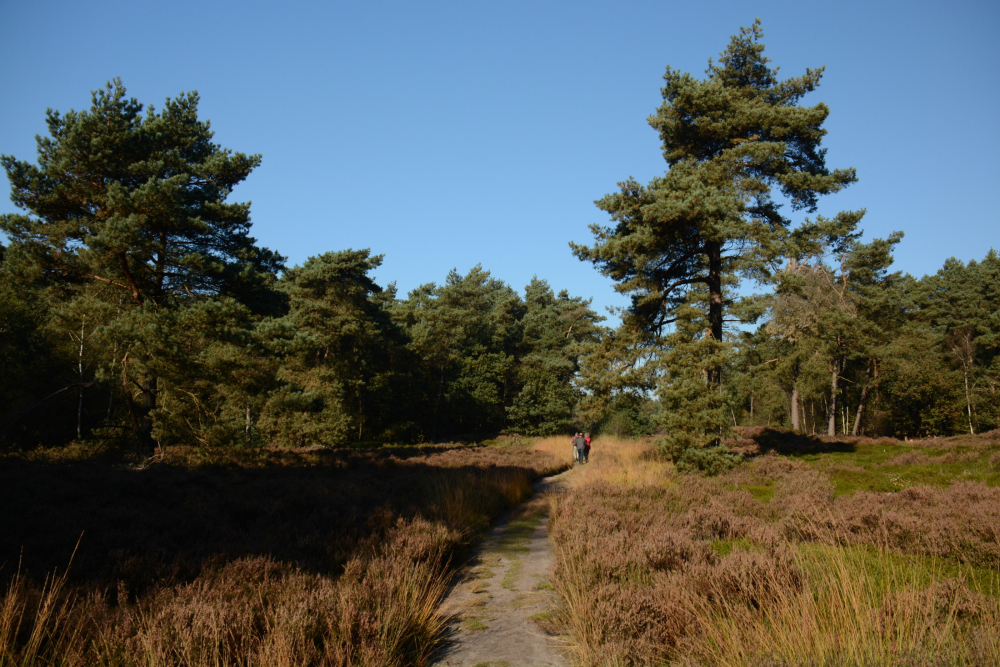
824 551
273 557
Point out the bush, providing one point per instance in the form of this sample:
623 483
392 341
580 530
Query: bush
709 460
690 455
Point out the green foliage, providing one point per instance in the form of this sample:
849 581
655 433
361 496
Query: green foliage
339 349
129 210
556 331
136 202
628 415
679 245
912 360
133 296
491 360
693 409
891 466
136 308
728 140
708 460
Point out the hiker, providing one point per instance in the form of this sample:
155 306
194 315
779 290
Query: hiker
579 444
586 448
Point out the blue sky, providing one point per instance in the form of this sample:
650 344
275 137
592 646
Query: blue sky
450 134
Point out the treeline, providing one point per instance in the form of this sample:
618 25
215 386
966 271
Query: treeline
136 308
853 349
841 347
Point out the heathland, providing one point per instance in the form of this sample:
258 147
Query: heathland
272 558
209 457
815 551
810 550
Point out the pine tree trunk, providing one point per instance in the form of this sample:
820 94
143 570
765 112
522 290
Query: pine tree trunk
968 400
795 402
140 410
714 252
147 403
831 406
861 411
872 376
79 397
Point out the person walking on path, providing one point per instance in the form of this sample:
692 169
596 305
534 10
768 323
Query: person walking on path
579 445
586 448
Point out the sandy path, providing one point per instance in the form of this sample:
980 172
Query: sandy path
503 600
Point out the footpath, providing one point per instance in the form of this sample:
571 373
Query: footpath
502 604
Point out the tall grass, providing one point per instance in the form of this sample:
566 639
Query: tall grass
559 447
856 607
37 625
620 461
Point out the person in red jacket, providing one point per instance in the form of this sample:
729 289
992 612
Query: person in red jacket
586 449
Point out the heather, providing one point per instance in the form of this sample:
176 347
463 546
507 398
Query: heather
768 564
277 557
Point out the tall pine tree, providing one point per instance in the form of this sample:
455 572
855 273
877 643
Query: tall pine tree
137 202
729 140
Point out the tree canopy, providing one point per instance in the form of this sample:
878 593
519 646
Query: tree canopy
729 140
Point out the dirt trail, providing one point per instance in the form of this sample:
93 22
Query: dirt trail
502 605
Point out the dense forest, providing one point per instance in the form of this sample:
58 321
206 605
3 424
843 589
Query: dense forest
135 307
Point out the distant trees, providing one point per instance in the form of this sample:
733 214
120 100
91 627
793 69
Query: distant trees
495 360
135 307
834 316
557 330
908 357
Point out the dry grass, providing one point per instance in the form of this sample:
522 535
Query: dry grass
765 565
620 461
850 611
287 558
558 446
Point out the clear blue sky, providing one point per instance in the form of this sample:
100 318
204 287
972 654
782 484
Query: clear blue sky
446 134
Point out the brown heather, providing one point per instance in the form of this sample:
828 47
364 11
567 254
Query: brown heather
763 565
281 558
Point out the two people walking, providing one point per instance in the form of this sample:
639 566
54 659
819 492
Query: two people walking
581 447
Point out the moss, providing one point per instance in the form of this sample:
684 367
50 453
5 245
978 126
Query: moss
473 624
761 492
515 536
512 573
726 547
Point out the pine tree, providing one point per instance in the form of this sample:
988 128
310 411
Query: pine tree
556 330
341 353
137 202
729 141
